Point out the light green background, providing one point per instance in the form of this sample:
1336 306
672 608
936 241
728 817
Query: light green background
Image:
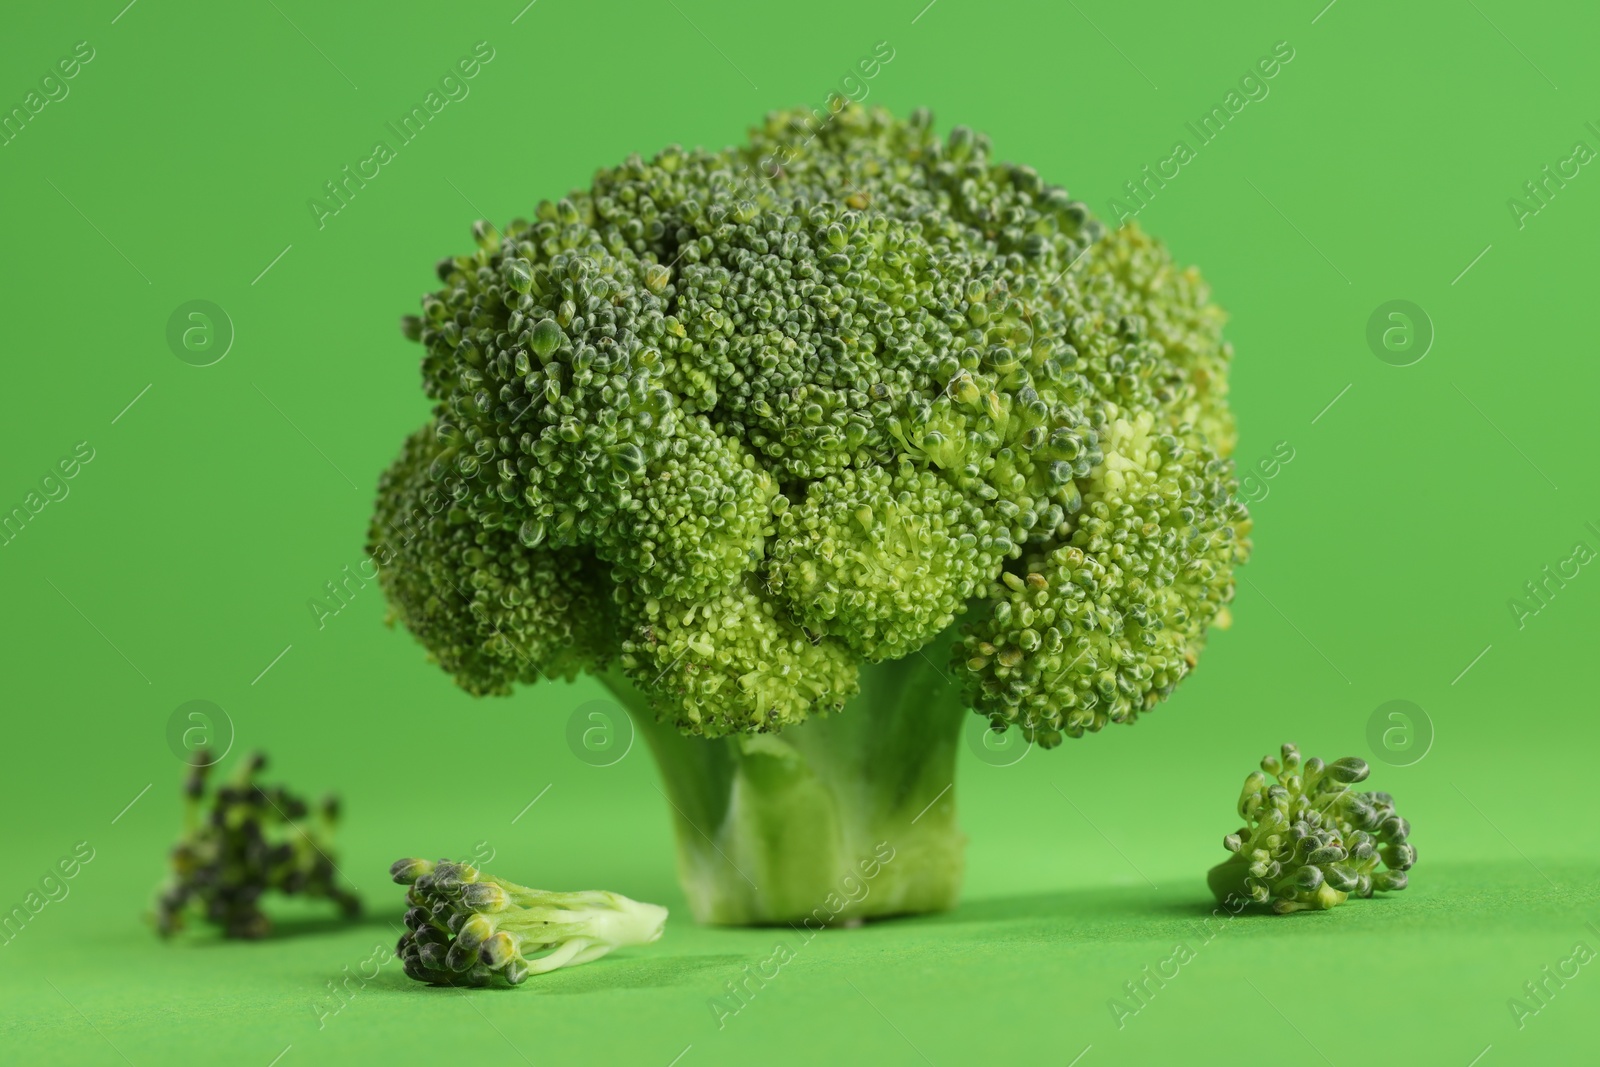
1379 167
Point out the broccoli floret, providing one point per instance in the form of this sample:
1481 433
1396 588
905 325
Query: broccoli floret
1310 840
793 429
254 839
464 927
489 612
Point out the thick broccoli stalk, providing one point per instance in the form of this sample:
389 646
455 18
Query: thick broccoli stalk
744 433
1310 841
845 817
465 927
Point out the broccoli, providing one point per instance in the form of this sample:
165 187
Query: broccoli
804 449
464 926
1310 840
254 839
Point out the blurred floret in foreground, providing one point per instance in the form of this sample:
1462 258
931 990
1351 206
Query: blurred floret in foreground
1310 841
464 926
251 839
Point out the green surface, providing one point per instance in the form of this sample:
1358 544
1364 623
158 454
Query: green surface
179 563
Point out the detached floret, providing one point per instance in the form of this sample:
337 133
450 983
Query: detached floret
465 927
254 839
1310 840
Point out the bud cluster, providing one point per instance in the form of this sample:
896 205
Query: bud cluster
464 927
252 839
1310 841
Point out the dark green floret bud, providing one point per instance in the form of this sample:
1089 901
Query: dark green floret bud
404 872
485 896
466 927
1387 880
252 841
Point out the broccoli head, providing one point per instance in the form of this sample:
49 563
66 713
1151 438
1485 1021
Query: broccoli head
1310 840
736 431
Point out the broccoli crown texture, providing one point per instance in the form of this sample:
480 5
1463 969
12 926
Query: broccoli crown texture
743 421
1310 840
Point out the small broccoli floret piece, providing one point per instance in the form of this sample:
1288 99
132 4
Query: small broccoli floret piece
254 839
490 609
1310 840
465 927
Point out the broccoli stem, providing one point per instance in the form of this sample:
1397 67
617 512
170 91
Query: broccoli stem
842 818
1227 879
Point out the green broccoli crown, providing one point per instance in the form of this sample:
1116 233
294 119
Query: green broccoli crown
1310 840
742 421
